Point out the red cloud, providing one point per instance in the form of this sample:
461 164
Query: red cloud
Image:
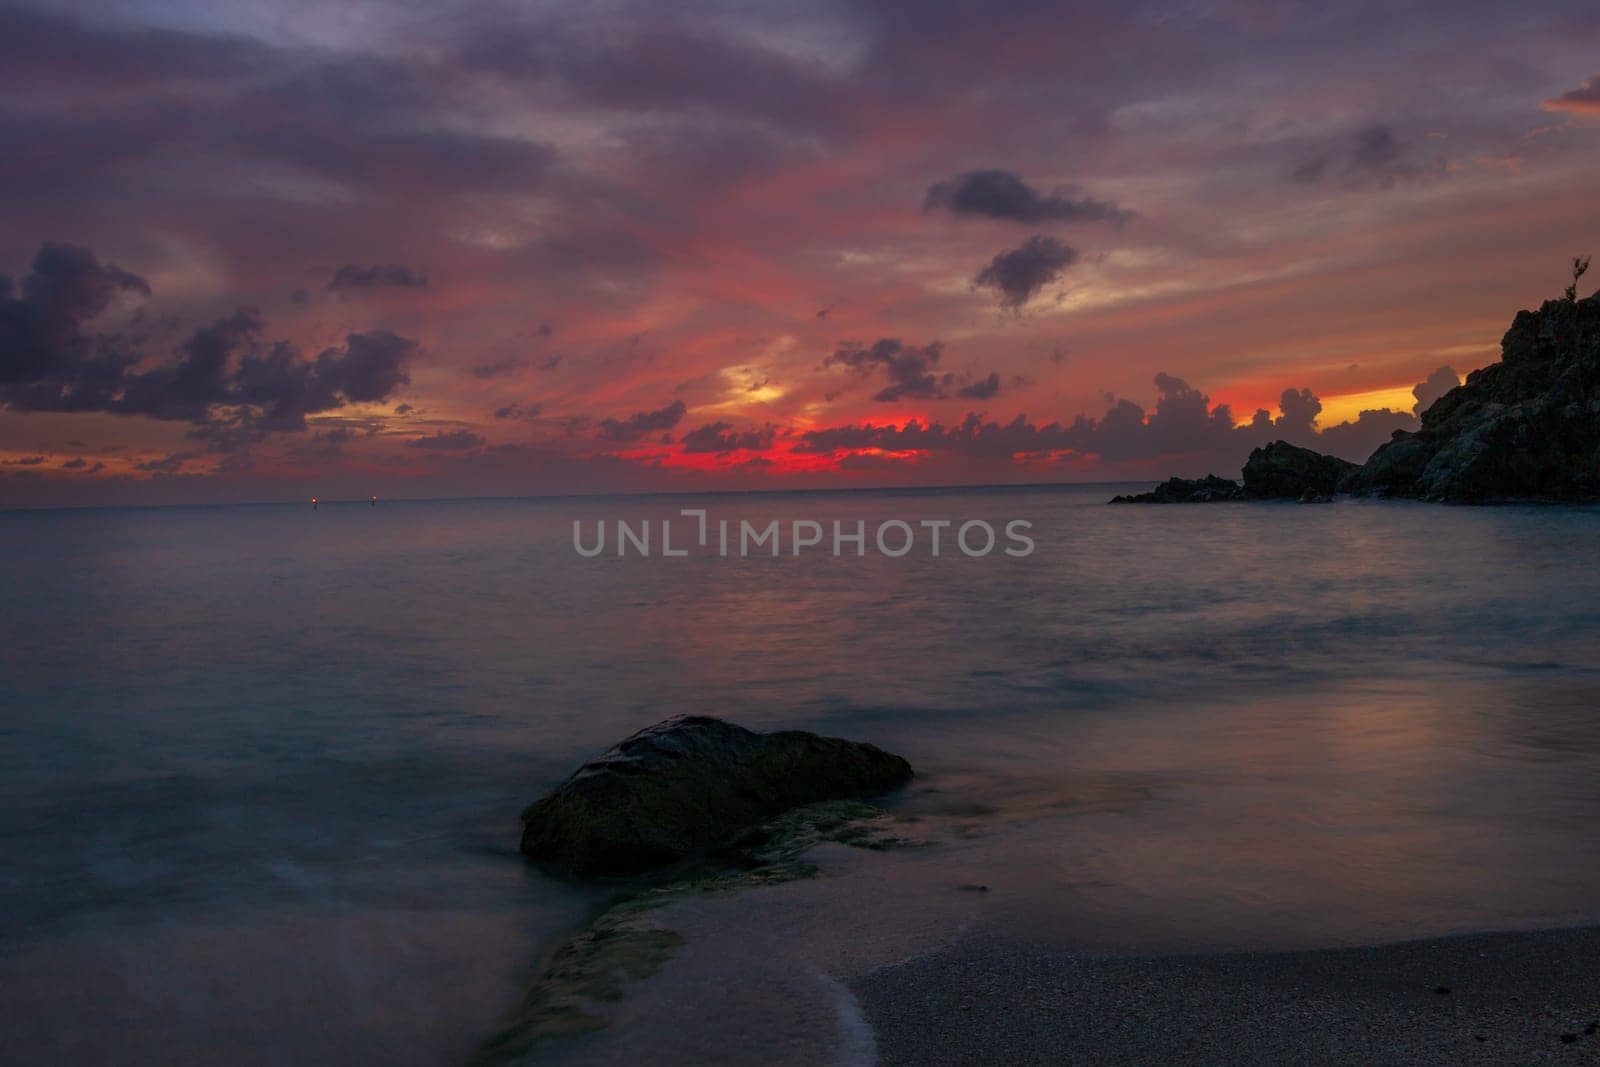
1584 100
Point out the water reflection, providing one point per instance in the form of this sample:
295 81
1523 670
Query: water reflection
1169 727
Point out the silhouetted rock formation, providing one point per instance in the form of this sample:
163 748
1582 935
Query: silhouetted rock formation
1281 471
1205 490
1526 428
691 783
1278 471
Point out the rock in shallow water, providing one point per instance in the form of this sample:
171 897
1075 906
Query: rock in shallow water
691 783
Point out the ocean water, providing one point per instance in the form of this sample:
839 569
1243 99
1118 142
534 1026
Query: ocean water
262 765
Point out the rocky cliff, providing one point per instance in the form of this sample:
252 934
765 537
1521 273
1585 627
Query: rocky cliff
1526 428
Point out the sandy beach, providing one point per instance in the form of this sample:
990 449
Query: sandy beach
1530 997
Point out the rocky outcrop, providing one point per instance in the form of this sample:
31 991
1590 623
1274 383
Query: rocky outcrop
1207 490
1526 428
690 784
1281 471
1278 471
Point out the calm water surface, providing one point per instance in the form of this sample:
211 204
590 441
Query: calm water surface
261 765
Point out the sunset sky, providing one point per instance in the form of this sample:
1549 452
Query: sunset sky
262 251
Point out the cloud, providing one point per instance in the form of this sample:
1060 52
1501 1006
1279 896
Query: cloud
1373 155
1356 441
983 389
46 359
222 377
911 370
518 411
498 368
1000 194
1184 431
448 441
638 425
1584 100
73 54
720 437
202 375
170 464
293 123
354 277
1300 408
1436 385
972 437
663 67
1019 275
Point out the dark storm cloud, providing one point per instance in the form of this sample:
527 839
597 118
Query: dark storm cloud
221 376
1020 274
448 441
1000 194
202 375
354 277
645 422
1374 155
369 367
276 389
982 389
718 437
42 320
1433 387
911 370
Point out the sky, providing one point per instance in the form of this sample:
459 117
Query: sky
286 248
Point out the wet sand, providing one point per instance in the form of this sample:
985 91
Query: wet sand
1530 997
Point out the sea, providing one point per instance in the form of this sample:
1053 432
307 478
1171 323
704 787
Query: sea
262 765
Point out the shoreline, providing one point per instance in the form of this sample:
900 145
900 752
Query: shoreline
1523 996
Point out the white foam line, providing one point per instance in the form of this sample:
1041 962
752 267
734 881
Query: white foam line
858 1046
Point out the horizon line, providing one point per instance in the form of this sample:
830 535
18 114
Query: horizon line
604 494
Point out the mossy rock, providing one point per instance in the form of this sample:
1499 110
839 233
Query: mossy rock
690 784
625 944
